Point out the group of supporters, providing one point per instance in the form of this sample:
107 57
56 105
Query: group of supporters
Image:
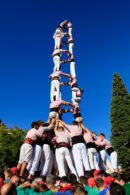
58 148
96 182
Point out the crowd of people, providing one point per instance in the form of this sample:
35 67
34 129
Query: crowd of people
96 182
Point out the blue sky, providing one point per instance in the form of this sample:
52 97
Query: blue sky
101 31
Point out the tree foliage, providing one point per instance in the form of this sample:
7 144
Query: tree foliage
120 121
10 142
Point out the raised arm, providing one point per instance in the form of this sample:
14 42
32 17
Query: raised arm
67 103
84 128
57 125
66 75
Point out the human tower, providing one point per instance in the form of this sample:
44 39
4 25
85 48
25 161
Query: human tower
46 147
63 38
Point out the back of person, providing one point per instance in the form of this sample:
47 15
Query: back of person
127 188
115 188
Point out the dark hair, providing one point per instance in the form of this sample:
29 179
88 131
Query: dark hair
59 27
118 176
88 174
93 132
40 122
34 124
102 134
82 179
72 179
43 178
64 179
46 124
79 190
102 173
74 123
126 175
115 188
99 182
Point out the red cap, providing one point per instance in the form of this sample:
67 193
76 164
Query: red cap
108 180
40 182
96 172
14 170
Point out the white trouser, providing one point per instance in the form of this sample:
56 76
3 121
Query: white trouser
114 161
50 164
76 100
57 62
71 46
63 154
26 152
55 90
92 154
104 162
70 32
47 158
35 159
72 69
80 156
74 92
57 42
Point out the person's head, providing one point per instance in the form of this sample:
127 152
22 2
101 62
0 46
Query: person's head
64 181
88 174
8 189
34 125
72 179
116 189
36 184
79 191
14 171
127 176
99 183
83 180
74 123
102 136
15 180
40 123
102 174
93 134
59 28
50 181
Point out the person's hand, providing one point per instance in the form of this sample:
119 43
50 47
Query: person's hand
26 184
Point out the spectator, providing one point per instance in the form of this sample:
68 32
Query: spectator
8 189
115 188
101 186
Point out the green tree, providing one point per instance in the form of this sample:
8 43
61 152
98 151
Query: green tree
120 121
10 142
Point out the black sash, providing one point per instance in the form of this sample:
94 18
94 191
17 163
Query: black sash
77 139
